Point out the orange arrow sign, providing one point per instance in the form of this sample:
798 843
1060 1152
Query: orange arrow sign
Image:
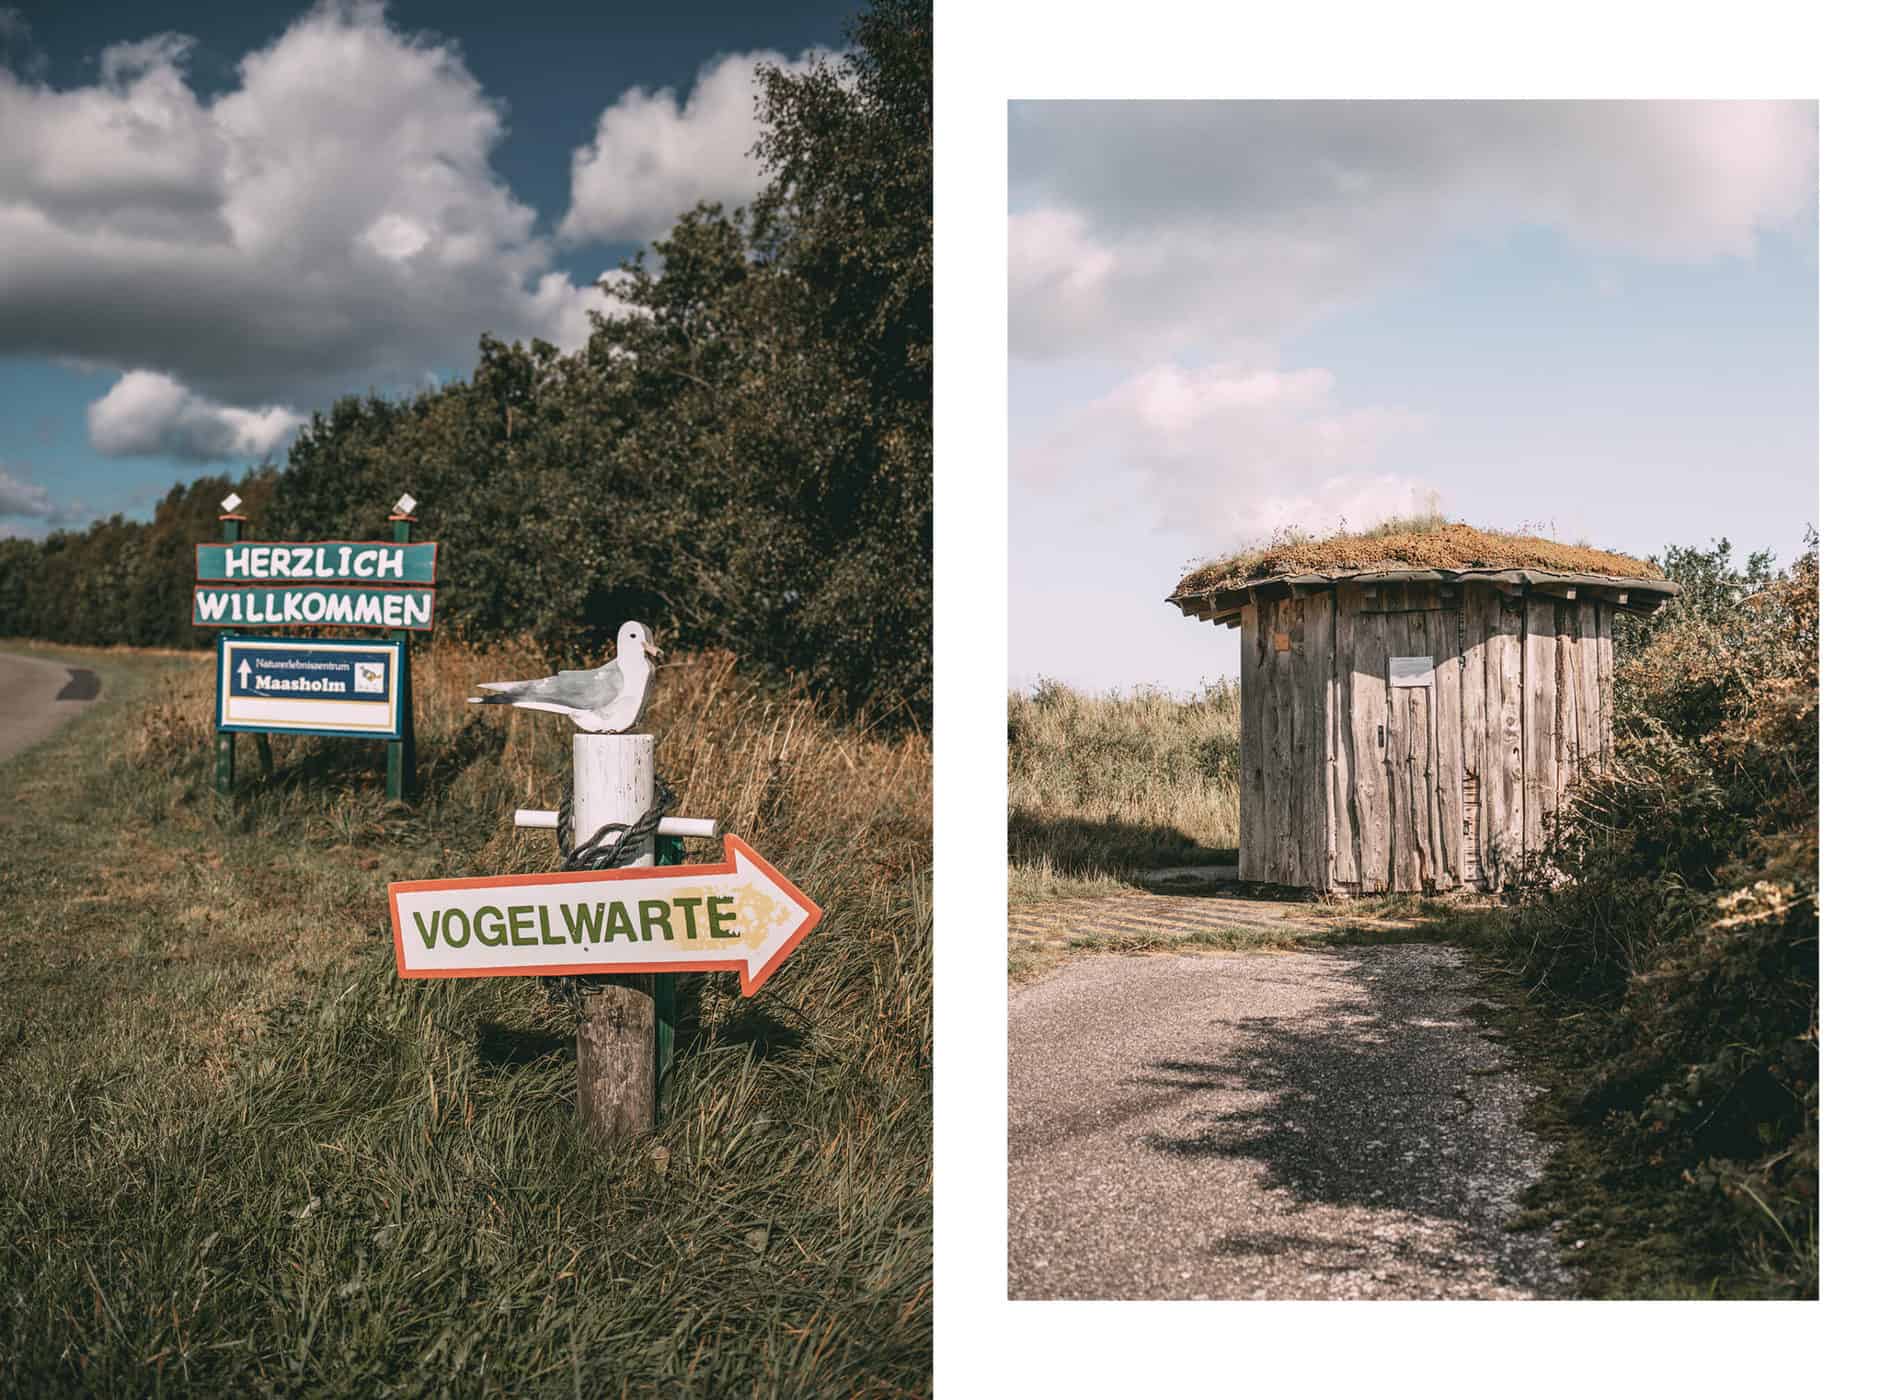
740 915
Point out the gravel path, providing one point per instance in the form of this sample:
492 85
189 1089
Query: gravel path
37 696
1329 1124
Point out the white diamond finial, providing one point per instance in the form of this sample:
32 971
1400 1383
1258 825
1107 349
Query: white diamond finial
405 506
231 502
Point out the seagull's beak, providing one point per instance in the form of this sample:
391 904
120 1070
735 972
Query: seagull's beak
653 651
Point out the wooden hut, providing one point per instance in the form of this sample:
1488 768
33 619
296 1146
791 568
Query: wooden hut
1414 705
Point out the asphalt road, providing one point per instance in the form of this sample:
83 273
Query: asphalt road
1329 1124
37 696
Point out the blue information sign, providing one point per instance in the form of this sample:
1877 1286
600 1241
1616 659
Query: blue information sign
287 685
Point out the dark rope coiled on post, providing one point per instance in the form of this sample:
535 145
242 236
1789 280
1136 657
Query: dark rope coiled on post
612 845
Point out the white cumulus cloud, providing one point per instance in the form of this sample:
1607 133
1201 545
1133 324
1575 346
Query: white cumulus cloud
33 508
1232 450
1139 228
331 222
151 414
655 154
18 497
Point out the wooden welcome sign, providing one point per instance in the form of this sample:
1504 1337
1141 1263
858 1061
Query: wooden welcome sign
355 687
331 583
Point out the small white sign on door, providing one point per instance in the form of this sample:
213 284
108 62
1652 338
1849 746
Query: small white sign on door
1409 670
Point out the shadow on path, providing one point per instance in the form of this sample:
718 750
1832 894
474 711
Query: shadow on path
1380 1100
81 684
1081 846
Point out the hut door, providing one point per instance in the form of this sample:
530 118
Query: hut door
1405 716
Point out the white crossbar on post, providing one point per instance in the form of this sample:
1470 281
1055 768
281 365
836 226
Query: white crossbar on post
539 818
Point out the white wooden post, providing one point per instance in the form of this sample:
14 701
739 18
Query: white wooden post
613 778
613 781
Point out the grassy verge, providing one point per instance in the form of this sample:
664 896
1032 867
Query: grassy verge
1047 933
1629 1223
242 1154
1102 787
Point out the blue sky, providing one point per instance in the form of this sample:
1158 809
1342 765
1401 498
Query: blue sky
1596 320
211 237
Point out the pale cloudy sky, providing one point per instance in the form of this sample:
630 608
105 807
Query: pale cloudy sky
1594 319
217 216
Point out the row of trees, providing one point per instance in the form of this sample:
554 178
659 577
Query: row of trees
741 455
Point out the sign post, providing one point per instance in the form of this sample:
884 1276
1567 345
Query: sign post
401 751
630 930
226 742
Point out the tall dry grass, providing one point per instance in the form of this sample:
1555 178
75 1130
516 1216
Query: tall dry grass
1104 785
242 1154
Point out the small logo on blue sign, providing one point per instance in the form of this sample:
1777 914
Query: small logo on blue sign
306 675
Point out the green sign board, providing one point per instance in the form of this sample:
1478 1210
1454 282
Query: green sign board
345 606
344 562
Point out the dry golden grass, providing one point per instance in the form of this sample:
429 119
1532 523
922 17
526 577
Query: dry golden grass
220 1096
1104 785
1423 543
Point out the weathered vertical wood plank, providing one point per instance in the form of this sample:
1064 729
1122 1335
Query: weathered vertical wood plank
1398 823
1280 730
1474 738
1448 765
1317 672
1606 679
1493 780
1398 767
1540 716
1569 697
1517 698
1419 862
1271 776
1504 704
1345 603
1409 787
1559 717
1300 778
1248 864
1420 626
1589 692
1372 782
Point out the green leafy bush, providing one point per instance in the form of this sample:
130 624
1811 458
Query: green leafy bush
1680 905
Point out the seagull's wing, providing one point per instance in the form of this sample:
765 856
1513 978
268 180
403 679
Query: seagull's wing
572 690
546 705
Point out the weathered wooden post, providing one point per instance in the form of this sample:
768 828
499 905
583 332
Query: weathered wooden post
226 743
401 762
613 780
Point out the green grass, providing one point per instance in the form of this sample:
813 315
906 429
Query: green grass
241 1154
1103 786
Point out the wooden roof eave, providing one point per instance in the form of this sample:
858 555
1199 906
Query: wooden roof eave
1223 606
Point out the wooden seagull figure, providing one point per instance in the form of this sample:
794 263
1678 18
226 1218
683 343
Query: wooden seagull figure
609 700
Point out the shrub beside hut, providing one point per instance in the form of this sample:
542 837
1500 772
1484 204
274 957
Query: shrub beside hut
1415 701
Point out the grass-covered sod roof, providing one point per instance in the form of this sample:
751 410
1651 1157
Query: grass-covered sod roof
1407 544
